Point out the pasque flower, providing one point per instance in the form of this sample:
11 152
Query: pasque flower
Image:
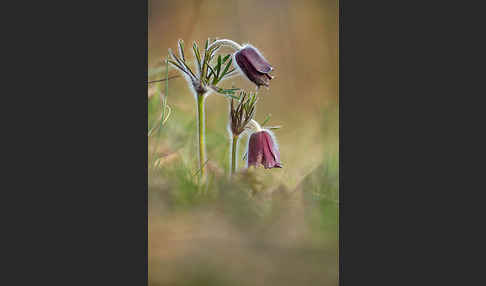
210 71
263 150
204 80
249 60
254 65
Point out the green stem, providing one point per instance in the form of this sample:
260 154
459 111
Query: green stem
233 154
202 146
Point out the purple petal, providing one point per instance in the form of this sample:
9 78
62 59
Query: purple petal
254 66
273 155
262 150
257 61
254 152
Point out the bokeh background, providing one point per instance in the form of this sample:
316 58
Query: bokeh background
267 227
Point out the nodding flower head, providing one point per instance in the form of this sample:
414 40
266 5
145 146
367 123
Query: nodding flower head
263 150
254 65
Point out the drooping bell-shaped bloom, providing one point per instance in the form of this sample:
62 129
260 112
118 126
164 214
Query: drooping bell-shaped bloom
254 65
263 150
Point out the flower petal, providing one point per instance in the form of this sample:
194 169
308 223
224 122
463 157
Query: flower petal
258 62
263 150
274 155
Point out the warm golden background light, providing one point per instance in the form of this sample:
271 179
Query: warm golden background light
288 236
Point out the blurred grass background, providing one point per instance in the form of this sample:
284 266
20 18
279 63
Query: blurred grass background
267 227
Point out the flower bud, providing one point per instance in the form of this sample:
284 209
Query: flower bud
263 150
254 65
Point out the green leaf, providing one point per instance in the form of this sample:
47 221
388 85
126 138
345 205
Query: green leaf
266 119
206 60
219 63
181 65
231 96
231 72
186 68
181 50
197 55
178 66
213 50
218 70
211 72
174 57
254 99
227 92
226 58
226 69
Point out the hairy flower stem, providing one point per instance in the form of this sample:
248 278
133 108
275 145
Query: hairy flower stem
226 42
257 126
234 150
202 146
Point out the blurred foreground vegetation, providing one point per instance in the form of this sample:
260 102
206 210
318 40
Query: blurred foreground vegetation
262 227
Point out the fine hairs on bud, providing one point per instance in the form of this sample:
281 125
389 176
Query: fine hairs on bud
274 138
228 43
237 67
257 50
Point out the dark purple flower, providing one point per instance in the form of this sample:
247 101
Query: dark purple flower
254 65
262 150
